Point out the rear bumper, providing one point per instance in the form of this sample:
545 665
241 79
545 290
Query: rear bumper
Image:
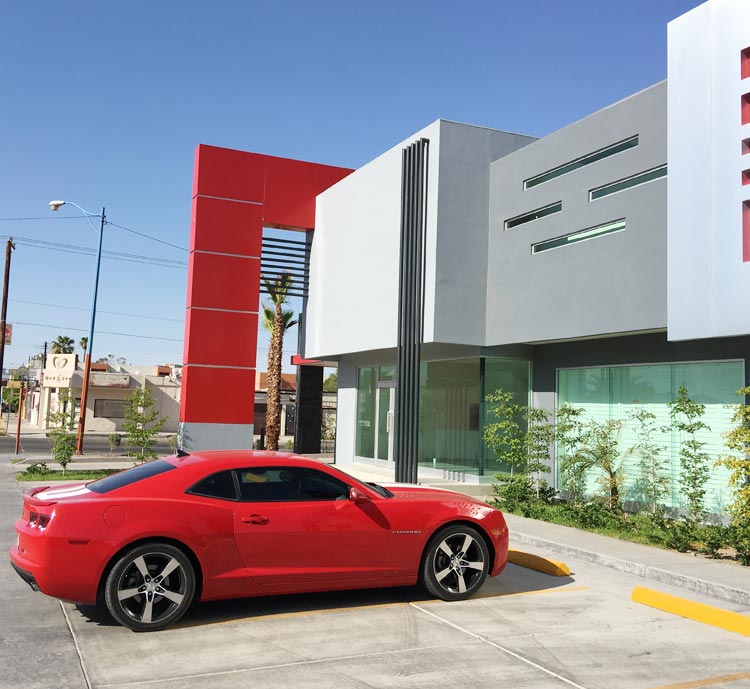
28 577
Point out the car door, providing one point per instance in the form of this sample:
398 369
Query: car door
296 525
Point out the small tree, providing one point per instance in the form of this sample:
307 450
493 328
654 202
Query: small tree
653 481
686 415
83 343
573 464
521 437
738 440
142 424
115 440
63 439
600 447
331 383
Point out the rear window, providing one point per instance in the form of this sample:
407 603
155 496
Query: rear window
125 478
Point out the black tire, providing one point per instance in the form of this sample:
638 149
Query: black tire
456 563
138 593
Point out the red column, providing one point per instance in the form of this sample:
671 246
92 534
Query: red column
235 194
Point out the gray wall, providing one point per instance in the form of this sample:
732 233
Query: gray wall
611 284
466 153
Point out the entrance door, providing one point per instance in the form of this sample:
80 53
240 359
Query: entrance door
385 416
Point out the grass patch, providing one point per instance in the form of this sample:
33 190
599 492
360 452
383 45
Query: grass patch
41 472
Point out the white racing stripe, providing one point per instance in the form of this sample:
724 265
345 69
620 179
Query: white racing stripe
59 493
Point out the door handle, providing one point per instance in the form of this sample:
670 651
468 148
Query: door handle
255 519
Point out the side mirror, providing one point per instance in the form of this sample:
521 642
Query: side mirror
357 496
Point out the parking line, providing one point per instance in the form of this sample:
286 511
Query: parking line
696 684
327 611
707 614
496 645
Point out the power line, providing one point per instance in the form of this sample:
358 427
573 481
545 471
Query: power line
46 217
147 236
113 313
121 227
100 332
86 251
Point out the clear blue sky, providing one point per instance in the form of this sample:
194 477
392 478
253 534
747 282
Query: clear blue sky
104 103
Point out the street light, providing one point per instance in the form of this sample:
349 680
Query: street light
55 205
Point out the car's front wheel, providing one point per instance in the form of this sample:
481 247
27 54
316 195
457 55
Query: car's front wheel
456 563
150 586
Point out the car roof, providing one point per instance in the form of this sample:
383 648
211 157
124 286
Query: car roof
231 459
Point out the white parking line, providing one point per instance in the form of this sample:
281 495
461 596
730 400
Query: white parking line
498 647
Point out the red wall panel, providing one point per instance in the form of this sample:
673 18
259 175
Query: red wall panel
229 174
223 338
228 227
223 282
217 395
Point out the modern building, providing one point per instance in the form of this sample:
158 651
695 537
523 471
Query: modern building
604 265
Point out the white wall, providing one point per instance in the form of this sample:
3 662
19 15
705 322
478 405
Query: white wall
708 282
354 265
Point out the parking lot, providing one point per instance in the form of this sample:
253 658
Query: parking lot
526 629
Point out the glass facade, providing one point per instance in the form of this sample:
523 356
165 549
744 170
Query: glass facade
614 392
451 410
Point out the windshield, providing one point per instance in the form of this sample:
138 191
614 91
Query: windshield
379 489
125 478
372 486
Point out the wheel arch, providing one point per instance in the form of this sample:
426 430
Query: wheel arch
187 550
458 522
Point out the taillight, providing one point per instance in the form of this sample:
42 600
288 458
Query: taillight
38 520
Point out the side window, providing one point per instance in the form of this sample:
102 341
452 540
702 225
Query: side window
219 485
289 484
316 485
269 484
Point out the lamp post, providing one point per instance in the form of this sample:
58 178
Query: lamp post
54 205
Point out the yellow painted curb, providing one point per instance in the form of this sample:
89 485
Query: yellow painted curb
539 563
707 614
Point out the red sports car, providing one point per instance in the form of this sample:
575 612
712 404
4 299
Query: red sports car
210 525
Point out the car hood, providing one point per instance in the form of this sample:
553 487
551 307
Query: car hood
415 491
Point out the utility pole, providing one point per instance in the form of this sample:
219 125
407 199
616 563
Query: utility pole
21 391
8 249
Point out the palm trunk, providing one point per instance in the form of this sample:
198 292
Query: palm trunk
273 406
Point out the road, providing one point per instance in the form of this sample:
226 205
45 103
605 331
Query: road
36 443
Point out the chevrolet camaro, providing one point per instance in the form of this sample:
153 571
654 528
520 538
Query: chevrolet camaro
150 540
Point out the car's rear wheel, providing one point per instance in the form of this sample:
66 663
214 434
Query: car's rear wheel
456 563
150 586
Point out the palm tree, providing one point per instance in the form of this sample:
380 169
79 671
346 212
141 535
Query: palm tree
277 320
83 343
62 345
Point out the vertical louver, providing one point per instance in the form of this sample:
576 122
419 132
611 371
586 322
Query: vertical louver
415 159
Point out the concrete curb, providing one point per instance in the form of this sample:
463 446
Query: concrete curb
708 588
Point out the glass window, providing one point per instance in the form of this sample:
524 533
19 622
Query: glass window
578 163
366 386
125 478
580 236
219 485
289 484
511 376
615 392
533 215
110 409
628 182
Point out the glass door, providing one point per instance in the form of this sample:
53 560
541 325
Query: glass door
384 424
